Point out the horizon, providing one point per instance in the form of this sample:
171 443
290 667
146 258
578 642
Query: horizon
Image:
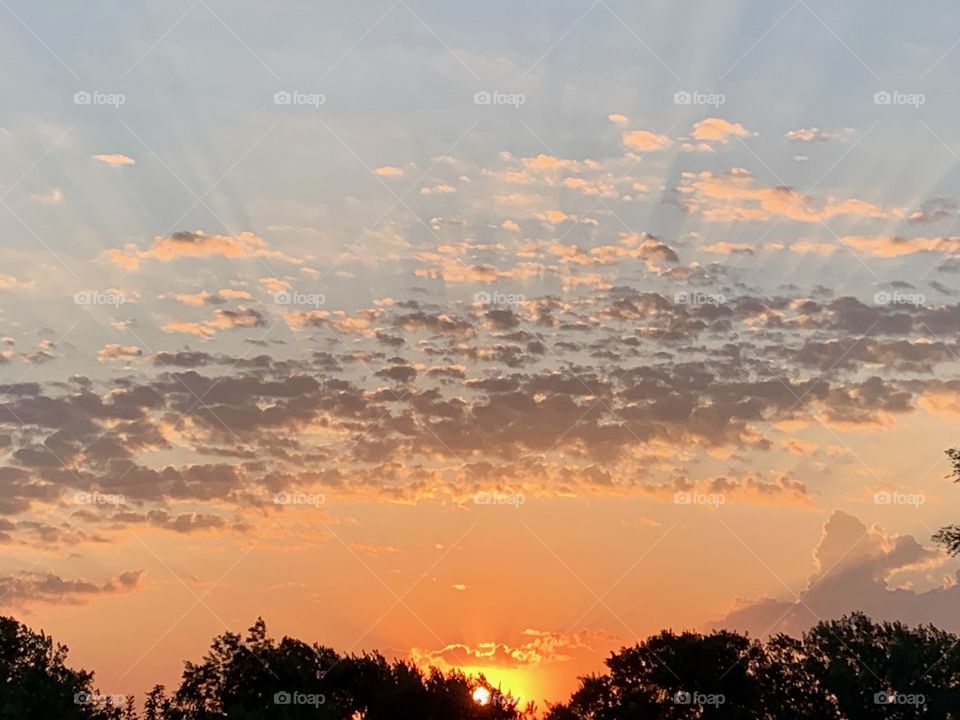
493 338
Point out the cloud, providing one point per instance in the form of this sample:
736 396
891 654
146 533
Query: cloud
550 162
456 270
859 568
196 245
718 130
942 398
439 189
28 588
735 195
934 211
389 171
231 294
188 523
728 248
645 140
538 648
374 550
119 352
115 160
200 330
242 318
894 246
783 490
275 286
198 298
52 197
806 247
603 389
9 282
817 135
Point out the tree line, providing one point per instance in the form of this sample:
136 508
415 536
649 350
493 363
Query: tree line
847 669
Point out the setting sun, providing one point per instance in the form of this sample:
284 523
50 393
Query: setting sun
481 696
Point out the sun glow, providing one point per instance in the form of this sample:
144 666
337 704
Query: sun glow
481 696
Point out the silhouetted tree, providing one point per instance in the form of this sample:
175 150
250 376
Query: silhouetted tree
157 705
791 690
848 669
861 663
36 684
949 536
674 676
256 678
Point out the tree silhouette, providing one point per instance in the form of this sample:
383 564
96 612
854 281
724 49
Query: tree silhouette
256 678
860 663
949 536
848 669
156 706
674 676
36 684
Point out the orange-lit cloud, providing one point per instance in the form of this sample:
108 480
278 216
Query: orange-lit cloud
893 246
115 160
645 140
736 196
539 647
196 245
718 130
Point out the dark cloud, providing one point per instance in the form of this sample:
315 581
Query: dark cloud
550 392
16 590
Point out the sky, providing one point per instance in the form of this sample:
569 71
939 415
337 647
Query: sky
495 336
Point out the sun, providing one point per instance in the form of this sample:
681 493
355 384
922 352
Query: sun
481 696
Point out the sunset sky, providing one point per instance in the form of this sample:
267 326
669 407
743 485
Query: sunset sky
493 335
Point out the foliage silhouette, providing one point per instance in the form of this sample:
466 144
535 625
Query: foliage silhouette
949 536
847 669
36 684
